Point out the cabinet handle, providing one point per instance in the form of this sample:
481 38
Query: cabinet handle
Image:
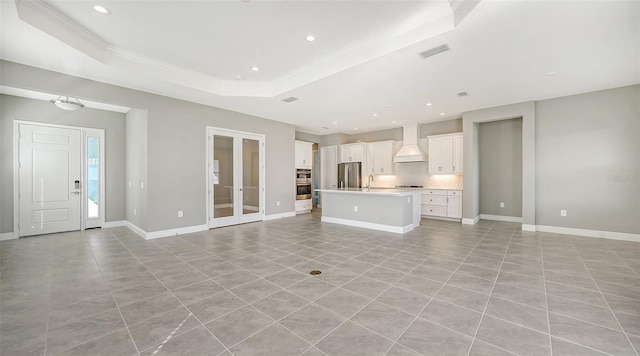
454 168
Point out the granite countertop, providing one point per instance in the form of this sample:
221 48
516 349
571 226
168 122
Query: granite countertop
373 191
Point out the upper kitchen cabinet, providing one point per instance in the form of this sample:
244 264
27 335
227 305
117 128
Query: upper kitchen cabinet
380 157
353 152
304 154
445 154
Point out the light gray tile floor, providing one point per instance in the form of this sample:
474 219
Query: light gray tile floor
444 288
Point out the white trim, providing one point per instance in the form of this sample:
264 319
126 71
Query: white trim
473 221
178 231
136 229
368 225
8 236
528 227
110 224
288 214
516 219
589 233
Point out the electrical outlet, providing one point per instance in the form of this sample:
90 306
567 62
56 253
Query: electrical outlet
180 214
563 213
134 212
502 204
278 203
129 184
355 208
141 185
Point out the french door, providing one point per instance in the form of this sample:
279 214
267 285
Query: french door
59 178
235 171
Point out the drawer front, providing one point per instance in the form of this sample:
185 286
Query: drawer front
435 192
433 199
454 192
433 210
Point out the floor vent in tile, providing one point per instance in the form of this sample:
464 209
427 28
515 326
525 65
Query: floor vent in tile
313 273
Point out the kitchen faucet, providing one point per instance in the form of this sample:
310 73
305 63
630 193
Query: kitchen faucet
369 180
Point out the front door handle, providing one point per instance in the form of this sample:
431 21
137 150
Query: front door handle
76 192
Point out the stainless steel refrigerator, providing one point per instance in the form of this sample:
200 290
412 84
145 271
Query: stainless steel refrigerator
350 175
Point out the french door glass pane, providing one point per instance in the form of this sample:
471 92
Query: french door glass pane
250 176
223 186
93 177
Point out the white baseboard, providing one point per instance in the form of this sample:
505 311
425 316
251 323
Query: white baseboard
528 227
136 229
515 219
119 223
8 236
589 233
368 225
178 231
279 216
473 221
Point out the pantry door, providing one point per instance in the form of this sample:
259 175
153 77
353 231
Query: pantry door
235 177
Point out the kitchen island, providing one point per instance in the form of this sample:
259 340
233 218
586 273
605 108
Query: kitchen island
391 210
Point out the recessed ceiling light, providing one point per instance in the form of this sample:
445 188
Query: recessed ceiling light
374 114
335 122
551 74
102 10
429 104
310 38
238 76
355 128
393 122
255 69
441 113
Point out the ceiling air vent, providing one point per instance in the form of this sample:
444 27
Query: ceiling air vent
462 93
290 99
434 51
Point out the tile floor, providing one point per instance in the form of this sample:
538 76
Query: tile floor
444 288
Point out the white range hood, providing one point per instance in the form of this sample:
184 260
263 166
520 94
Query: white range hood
410 151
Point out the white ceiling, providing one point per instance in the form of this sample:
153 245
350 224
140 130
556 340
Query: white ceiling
364 61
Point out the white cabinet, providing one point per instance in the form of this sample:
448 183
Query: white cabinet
328 167
445 154
458 147
304 154
454 204
303 206
380 157
441 203
353 152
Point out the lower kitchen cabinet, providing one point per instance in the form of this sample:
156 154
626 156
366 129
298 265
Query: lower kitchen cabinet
303 206
440 203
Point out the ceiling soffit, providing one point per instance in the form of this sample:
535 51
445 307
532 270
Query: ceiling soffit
419 27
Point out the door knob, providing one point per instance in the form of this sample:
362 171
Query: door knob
76 192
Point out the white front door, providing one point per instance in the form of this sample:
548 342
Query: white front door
235 183
50 179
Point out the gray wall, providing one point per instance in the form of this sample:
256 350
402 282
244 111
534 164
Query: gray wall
334 139
303 136
501 167
588 160
176 132
137 167
441 127
17 108
374 136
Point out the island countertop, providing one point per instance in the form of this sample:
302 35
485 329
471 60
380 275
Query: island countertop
373 191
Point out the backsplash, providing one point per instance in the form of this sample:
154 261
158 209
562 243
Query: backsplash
416 173
444 182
